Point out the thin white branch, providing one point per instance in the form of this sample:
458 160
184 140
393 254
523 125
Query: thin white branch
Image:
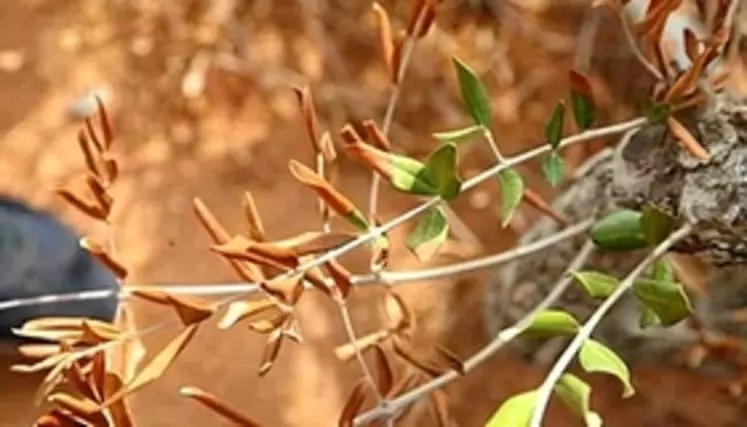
546 389
500 340
390 277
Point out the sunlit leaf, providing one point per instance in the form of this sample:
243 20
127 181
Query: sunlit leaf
657 225
575 394
221 408
353 404
552 167
552 322
515 412
620 231
554 128
512 190
474 95
582 103
596 357
460 135
597 285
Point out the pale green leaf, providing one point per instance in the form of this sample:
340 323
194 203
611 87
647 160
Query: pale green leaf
552 322
512 191
575 394
620 230
666 299
552 167
460 135
597 285
516 411
554 128
409 176
656 224
428 236
441 171
596 357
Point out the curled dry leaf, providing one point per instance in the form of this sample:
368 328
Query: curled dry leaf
78 194
354 404
692 45
119 412
539 203
248 272
687 139
256 228
407 352
306 102
58 418
240 310
81 407
421 18
286 290
451 360
314 242
270 324
376 136
106 124
383 369
346 352
99 252
272 349
325 191
264 253
191 310
341 277
124 359
214 404
386 39
93 160
156 367
328 148
99 193
38 351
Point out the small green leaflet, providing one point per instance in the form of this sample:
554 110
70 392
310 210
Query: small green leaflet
575 394
667 300
619 231
657 113
460 135
552 167
437 177
441 171
516 411
554 128
657 225
596 357
662 270
357 220
428 236
552 322
647 318
512 191
597 285
582 104
473 92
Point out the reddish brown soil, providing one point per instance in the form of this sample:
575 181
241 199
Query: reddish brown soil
239 135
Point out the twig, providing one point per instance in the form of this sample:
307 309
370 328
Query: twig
389 277
500 340
630 38
545 390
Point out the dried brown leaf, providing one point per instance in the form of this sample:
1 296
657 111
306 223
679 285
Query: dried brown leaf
111 168
314 242
439 404
81 407
687 139
256 228
272 349
354 404
265 253
692 45
539 203
157 366
323 188
422 16
119 411
250 273
93 136
92 159
288 290
451 360
383 369
400 316
328 147
371 157
77 194
376 136
99 252
271 324
342 278
386 40
408 353
106 124
240 310
306 102
211 402
191 310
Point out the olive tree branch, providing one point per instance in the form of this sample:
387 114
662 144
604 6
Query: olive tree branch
500 340
545 390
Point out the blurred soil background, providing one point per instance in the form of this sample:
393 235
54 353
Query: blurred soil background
200 95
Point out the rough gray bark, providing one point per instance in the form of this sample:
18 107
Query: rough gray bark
646 166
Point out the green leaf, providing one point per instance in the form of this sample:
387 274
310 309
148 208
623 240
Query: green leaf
441 171
666 299
575 394
647 317
657 225
357 220
582 104
663 271
516 411
409 176
554 128
460 135
620 231
597 285
552 166
428 236
512 190
474 95
596 357
552 322
657 113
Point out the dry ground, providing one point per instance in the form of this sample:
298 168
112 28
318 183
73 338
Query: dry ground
239 133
